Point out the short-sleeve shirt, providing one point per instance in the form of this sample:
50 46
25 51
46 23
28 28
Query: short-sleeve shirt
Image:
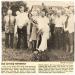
22 19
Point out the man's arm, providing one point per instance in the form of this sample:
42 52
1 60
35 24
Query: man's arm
4 20
15 28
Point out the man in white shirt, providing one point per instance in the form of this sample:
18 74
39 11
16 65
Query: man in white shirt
51 43
44 28
64 18
21 28
59 30
70 30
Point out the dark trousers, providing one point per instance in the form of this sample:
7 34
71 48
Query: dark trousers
51 40
58 37
22 37
34 44
39 41
9 38
68 41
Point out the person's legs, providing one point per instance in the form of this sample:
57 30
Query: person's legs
43 45
19 38
25 42
57 38
64 41
52 40
7 40
60 38
11 39
71 38
39 41
67 42
34 44
24 37
52 28
28 42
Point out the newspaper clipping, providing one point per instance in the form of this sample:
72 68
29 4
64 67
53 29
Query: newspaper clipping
37 36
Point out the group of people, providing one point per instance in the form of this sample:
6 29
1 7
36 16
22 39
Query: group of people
40 30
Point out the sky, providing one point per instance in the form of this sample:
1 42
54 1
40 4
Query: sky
49 3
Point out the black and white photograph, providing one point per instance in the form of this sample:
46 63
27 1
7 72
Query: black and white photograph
37 31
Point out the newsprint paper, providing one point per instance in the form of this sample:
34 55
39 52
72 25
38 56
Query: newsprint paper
37 37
